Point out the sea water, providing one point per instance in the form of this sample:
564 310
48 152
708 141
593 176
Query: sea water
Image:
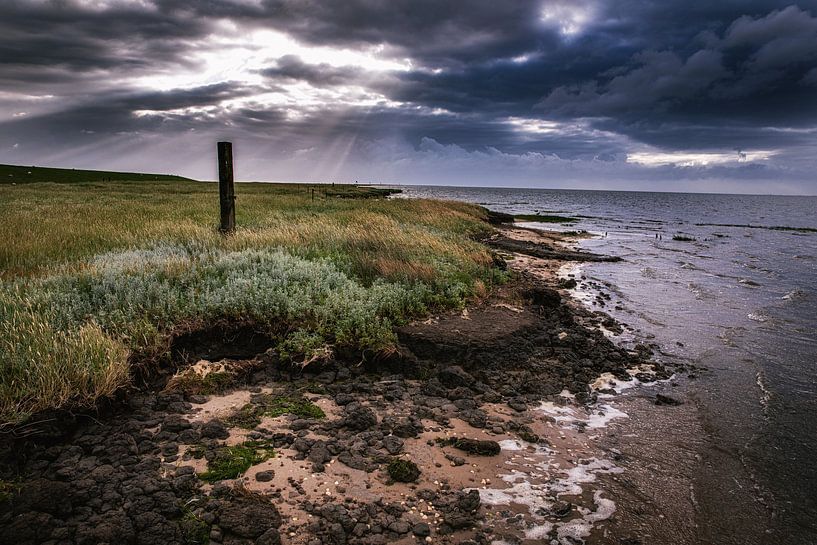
739 299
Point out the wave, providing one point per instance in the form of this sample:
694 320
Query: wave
794 295
699 291
649 272
769 227
758 316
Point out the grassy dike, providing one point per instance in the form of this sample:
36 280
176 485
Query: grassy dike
95 277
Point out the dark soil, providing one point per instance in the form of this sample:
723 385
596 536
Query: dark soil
541 251
116 479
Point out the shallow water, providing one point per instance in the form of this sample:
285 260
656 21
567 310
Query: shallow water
741 301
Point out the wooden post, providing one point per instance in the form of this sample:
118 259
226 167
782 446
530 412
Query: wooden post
226 189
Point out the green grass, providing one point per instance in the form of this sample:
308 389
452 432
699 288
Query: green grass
95 277
231 462
249 416
195 531
279 406
15 174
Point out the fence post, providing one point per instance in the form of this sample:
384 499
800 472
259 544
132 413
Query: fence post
226 189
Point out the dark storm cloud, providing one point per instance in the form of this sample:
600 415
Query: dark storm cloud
75 39
291 67
610 78
118 112
430 31
755 73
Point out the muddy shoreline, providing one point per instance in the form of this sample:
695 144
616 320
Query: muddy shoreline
482 427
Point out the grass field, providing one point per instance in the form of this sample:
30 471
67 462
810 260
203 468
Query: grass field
95 276
16 174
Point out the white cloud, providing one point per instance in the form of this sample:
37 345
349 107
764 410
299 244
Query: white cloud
702 159
569 17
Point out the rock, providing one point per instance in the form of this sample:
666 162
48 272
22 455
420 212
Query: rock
545 297
343 399
189 437
357 417
421 529
400 527
481 447
175 423
355 461
264 476
662 399
455 376
561 509
476 418
214 429
455 460
518 405
319 454
468 501
567 283
270 537
405 427
249 518
393 444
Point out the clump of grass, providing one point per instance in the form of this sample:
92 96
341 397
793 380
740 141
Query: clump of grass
403 471
249 416
196 452
195 531
9 489
230 462
209 384
304 408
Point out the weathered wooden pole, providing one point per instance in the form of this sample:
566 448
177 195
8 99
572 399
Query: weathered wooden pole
226 188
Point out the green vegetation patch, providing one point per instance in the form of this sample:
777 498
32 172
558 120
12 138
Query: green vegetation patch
683 238
9 489
195 531
279 406
230 462
209 384
403 471
95 277
15 174
544 218
249 416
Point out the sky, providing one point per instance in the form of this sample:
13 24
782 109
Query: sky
669 95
